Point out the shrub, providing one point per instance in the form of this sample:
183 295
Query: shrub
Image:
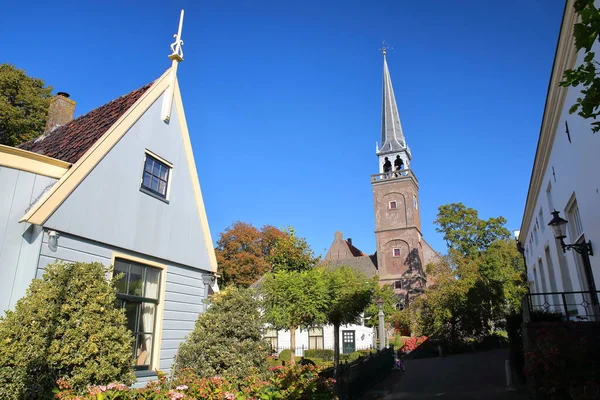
351 357
66 326
323 354
412 343
227 339
285 355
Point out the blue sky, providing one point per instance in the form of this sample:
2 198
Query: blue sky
283 99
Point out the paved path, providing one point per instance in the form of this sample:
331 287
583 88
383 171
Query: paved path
464 376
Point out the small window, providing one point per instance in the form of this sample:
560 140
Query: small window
393 205
137 294
415 202
155 179
575 221
541 218
398 285
396 252
315 338
271 337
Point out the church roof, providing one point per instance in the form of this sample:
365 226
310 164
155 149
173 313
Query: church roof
392 137
343 252
70 141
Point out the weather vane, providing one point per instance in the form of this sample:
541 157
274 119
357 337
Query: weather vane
177 51
385 47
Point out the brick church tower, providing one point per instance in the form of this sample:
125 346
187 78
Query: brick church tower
396 204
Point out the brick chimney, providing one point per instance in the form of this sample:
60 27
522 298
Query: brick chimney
60 112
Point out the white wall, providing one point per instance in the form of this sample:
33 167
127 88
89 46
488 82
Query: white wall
572 171
363 338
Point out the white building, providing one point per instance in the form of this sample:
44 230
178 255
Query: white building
564 178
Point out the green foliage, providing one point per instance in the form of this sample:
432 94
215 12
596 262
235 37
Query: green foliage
24 103
323 354
351 357
242 252
285 355
477 284
585 75
291 253
386 293
227 339
295 300
67 326
279 383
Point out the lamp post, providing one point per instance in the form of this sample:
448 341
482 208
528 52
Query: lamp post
558 225
381 324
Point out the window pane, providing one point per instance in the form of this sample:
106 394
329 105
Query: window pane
147 180
121 283
154 184
131 313
163 172
147 321
152 283
136 280
148 165
144 350
162 187
156 169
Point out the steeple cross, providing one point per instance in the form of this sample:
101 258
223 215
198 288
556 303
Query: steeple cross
385 47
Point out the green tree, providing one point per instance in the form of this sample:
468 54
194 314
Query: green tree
350 292
242 252
292 253
24 103
227 339
67 326
585 75
390 299
295 299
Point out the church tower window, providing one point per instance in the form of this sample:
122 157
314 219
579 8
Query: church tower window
396 253
393 205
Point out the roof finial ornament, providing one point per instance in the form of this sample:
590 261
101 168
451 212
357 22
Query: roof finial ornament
176 56
385 47
177 51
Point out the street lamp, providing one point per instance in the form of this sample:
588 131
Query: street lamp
381 315
558 225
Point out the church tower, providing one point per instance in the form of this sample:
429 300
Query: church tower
396 204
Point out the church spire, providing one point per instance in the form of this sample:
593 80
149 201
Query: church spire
392 137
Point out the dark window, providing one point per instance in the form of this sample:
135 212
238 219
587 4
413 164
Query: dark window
393 205
396 253
156 176
398 285
138 291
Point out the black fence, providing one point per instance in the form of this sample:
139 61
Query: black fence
566 306
354 379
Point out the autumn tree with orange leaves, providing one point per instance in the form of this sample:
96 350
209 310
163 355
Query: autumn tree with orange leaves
242 253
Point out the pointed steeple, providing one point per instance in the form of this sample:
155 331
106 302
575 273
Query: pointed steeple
392 137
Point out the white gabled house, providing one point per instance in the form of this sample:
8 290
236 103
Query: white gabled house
118 186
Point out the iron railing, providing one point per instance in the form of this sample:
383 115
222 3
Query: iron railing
398 174
566 306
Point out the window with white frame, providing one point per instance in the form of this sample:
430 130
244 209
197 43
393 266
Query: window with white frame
549 197
315 338
535 235
396 252
541 219
155 178
271 337
398 285
574 219
393 205
415 203
138 294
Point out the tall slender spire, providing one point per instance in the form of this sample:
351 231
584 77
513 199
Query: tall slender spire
392 137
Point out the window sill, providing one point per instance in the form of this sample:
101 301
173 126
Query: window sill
145 374
152 194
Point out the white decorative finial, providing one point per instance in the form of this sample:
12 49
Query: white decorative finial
177 51
385 47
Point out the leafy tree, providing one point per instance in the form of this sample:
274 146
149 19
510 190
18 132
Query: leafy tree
242 252
585 75
350 293
295 299
390 299
227 339
292 253
24 103
67 326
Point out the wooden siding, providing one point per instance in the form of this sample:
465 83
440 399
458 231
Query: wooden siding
184 293
109 207
19 242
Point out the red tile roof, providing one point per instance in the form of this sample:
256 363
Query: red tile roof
70 141
355 252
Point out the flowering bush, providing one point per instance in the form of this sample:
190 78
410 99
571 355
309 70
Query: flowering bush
291 383
412 343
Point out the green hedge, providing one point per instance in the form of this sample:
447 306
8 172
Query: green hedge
350 357
323 354
285 355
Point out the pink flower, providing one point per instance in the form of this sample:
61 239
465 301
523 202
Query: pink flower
173 395
181 387
229 396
